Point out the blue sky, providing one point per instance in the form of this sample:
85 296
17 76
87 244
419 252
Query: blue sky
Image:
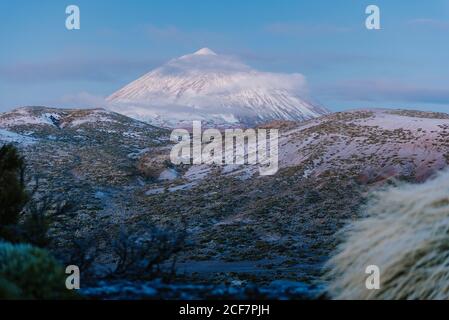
347 66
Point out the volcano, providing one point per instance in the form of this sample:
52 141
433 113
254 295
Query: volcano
217 89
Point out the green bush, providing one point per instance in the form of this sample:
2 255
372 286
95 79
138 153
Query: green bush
27 272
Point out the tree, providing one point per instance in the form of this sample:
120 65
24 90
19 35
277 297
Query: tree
13 195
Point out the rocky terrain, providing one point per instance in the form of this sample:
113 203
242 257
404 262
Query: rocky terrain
244 228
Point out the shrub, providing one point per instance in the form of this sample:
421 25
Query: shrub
27 272
143 253
38 216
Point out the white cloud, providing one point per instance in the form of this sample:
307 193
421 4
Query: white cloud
81 100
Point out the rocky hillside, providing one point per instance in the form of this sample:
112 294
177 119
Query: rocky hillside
243 227
75 154
89 145
285 225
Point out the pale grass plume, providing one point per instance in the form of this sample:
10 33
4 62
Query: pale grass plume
405 232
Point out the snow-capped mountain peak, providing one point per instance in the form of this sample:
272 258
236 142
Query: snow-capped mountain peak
216 89
205 51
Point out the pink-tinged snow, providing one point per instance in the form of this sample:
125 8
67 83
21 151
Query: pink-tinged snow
389 121
323 150
168 175
419 149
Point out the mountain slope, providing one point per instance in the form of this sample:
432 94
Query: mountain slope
216 89
245 227
71 145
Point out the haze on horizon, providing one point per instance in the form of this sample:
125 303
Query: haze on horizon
346 66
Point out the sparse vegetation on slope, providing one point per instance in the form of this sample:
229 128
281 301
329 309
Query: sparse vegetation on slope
246 228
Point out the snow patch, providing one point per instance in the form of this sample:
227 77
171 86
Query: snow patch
12 137
168 175
155 191
92 118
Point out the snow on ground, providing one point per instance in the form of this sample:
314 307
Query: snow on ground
59 117
22 118
197 172
95 117
168 175
384 134
12 137
337 138
216 89
138 153
155 191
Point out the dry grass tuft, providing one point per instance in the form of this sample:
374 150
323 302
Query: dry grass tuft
406 234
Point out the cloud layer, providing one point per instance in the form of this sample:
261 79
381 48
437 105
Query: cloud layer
76 69
384 90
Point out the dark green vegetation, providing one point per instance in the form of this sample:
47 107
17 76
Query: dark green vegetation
13 196
27 272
